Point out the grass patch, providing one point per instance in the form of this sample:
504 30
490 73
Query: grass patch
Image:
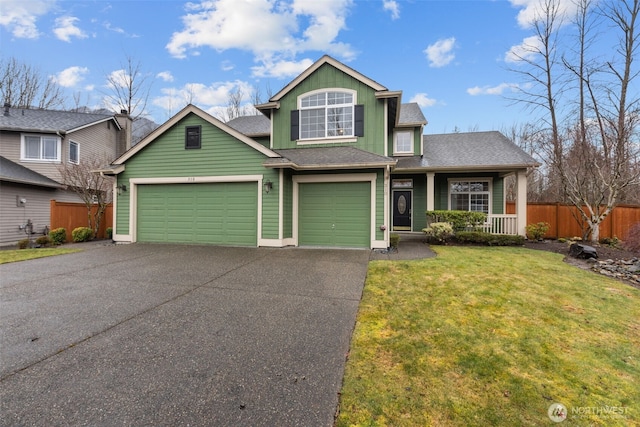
25 254
492 336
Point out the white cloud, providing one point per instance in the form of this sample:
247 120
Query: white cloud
66 28
281 69
227 65
393 7
532 10
526 50
19 17
165 76
273 31
493 90
71 76
440 53
423 100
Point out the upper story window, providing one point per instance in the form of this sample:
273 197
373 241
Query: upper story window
45 148
327 114
74 152
192 137
470 195
403 142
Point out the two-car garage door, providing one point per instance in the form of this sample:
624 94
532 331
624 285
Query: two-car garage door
212 213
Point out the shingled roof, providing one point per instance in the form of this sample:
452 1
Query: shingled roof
411 114
468 151
257 125
13 172
48 121
328 158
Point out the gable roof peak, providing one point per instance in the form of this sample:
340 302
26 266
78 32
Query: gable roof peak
326 59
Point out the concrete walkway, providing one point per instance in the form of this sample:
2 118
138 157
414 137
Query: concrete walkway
411 247
177 335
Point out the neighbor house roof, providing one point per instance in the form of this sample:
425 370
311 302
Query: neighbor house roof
328 158
49 121
467 151
13 172
257 125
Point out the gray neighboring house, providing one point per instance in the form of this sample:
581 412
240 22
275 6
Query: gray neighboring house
33 145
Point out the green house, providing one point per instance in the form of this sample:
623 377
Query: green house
334 160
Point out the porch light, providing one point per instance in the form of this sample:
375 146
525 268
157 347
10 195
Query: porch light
121 188
268 185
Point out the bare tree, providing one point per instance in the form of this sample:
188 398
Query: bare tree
589 151
129 89
23 86
94 189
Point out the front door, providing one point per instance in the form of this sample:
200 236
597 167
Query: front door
401 210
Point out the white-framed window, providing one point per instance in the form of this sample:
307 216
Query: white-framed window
327 114
43 148
74 152
403 142
470 195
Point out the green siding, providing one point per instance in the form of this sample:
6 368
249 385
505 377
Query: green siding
335 214
221 155
212 213
329 77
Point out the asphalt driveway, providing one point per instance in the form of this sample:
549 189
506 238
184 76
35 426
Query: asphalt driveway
177 335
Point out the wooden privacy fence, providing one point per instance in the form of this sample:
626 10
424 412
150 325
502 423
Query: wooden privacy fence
563 223
73 215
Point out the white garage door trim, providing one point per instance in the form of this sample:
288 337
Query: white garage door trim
133 196
351 177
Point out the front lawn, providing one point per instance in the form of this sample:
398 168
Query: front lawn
25 254
492 337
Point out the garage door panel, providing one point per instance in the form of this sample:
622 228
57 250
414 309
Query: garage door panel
334 214
213 213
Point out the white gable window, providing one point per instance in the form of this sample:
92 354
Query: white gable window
403 142
74 152
44 148
470 195
327 114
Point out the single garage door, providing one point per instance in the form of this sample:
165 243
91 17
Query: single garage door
211 213
334 214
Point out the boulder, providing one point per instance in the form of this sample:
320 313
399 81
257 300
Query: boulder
578 250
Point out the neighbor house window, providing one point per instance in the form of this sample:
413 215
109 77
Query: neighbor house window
74 152
193 137
327 114
40 148
403 142
472 195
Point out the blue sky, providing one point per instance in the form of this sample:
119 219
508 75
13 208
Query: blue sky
452 57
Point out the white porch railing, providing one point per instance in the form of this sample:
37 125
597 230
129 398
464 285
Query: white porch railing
501 224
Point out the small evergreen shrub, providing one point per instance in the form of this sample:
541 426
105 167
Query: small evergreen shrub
43 241
58 236
613 242
439 232
394 239
23 244
482 238
632 242
537 231
82 234
109 232
459 220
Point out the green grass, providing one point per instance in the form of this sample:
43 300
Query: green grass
25 254
492 337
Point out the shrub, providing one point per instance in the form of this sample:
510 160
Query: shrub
23 244
58 236
632 242
613 242
394 239
109 232
459 220
82 234
480 237
537 231
43 241
439 232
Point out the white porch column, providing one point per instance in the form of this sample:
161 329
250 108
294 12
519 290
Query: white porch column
431 188
521 202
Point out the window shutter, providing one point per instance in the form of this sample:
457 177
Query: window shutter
295 125
359 120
